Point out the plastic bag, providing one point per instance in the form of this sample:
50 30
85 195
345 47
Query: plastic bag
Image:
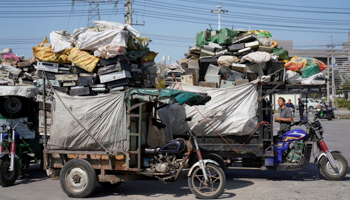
155 137
83 59
274 44
257 57
149 57
264 41
60 41
140 43
282 54
111 51
10 55
226 61
293 77
262 33
296 64
44 53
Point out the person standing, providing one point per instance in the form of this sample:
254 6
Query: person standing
301 109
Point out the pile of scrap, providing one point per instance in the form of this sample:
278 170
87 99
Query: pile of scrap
226 58
110 57
15 70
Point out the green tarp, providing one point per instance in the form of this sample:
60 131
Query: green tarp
223 36
168 96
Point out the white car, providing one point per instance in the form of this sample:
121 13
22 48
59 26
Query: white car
310 103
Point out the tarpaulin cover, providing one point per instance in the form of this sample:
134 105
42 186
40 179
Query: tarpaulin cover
168 96
223 36
60 41
23 91
103 115
89 39
232 111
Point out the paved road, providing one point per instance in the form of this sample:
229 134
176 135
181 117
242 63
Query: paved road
241 184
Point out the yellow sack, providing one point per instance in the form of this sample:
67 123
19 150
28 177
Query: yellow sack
45 53
274 44
83 59
149 57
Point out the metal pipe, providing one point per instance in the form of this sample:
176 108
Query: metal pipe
13 150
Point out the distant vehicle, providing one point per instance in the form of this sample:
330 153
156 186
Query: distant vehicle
310 103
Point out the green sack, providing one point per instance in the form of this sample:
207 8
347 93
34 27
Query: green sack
222 37
201 39
281 53
310 70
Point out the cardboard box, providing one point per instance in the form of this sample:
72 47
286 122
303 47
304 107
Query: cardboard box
193 64
188 79
208 84
213 78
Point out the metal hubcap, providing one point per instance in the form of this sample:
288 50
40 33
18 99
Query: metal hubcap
330 169
76 179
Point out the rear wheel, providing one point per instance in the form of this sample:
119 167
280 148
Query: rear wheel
215 185
327 171
7 177
13 107
78 178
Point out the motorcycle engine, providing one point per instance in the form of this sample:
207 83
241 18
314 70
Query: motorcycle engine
295 154
165 163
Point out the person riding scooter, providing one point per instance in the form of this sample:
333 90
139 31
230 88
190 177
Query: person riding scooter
285 118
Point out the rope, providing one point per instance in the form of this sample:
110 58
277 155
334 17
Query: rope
261 123
86 131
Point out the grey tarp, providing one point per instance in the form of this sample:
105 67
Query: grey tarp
103 115
23 91
232 111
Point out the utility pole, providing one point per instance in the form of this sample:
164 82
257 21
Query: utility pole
94 10
328 74
219 11
129 12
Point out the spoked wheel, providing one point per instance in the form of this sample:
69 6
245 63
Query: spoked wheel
327 171
7 177
78 178
215 185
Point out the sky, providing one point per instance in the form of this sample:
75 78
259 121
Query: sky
172 25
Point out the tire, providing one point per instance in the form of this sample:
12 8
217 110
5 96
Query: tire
7 178
217 182
211 156
330 119
78 178
217 158
13 107
311 109
327 171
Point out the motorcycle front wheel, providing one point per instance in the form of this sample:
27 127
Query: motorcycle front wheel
215 185
327 171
